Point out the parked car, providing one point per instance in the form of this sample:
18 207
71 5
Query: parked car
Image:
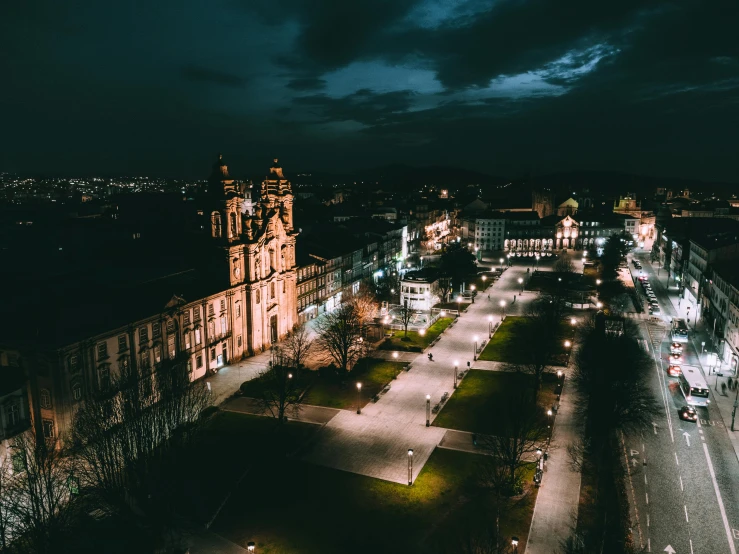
676 348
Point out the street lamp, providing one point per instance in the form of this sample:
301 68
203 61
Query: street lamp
442 313
573 321
559 374
422 332
490 327
599 305
456 367
537 260
501 262
567 344
395 355
509 259
359 398
250 546
474 353
520 282
428 410
421 261
502 310
598 282
410 467
484 278
514 543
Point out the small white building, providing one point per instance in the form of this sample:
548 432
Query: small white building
420 289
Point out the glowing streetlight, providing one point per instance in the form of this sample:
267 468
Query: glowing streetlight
443 313
410 467
599 305
502 310
428 410
567 344
474 352
514 543
359 398
573 321
559 373
598 282
484 278
549 412
456 367
472 287
520 282
490 326
250 546
501 262
395 355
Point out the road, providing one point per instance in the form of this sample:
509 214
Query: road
683 481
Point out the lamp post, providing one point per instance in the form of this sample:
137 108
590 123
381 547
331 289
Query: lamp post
501 262
459 305
395 355
410 467
599 305
474 352
537 261
428 410
359 398
509 259
733 412
514 544
490 326
421 261
250 546
502 310
484 278
598 282
456 367
520 282
472 295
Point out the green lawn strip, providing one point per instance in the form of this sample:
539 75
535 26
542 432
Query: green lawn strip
255 387
415 342
504 348
294 507
481 399
228 445
337 392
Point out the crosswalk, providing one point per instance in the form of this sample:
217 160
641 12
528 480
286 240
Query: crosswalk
656 332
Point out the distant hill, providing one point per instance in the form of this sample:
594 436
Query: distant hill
428 175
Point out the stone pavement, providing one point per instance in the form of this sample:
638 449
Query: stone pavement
229 378
376 442
307 414
555 513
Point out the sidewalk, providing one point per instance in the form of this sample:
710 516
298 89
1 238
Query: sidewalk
555 513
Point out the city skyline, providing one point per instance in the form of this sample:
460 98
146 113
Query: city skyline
508 89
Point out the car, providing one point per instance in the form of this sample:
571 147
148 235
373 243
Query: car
674 370
676 359
687 413
676 348
655 311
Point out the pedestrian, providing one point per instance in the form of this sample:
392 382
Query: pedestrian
723 389
731 383
514 298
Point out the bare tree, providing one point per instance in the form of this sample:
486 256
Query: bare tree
123 435
445 287
521 429
297 345
279 392
564 264
406 315
7 502
40 503
364 303
338 336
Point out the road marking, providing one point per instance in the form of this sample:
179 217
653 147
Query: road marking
691 545
700 431
676 460
687 437
633 492
661 379
654 426
649 545
645 478
669 549
634 452
720 501
681 481
686 513
647 495
647 521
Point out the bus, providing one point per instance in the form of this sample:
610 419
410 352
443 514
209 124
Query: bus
694 387
679 330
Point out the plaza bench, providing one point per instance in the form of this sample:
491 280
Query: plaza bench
444 397
386 389
436 408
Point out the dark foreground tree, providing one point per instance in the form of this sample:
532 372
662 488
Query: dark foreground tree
564 264
458 263
407 311
127 436
280 395
339 334
37 504
445 287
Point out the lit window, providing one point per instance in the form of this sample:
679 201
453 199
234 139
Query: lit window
197 337
48 426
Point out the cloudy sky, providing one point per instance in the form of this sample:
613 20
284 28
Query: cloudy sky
508 87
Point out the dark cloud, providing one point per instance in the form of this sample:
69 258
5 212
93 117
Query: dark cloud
199 74
363 106
308 83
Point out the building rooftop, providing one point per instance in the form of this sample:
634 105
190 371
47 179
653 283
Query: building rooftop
729 272
426 275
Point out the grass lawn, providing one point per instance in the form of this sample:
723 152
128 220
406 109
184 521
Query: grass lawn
480 400
294 507
336 392
225 449
415 342
504 348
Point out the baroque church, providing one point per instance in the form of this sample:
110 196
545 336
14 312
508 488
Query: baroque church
257 240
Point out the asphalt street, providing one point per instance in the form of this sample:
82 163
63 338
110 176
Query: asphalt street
683 477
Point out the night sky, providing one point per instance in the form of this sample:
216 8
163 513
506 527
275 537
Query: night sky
509 87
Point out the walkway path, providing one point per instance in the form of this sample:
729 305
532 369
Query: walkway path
555 513
376 442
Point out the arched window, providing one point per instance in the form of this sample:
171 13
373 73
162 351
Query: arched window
232 218
45 398
216 225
